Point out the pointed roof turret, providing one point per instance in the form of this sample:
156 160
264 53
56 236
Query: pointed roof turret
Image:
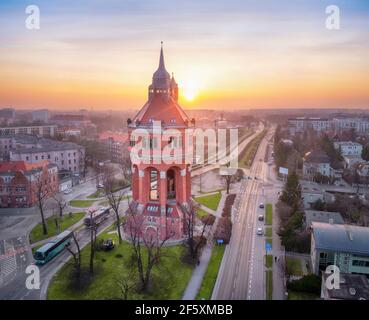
161 77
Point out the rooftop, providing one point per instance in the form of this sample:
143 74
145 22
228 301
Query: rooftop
341 238
316 156
352 287
322 216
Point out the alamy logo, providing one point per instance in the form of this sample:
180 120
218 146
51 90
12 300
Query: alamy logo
33 18
333 279
33 280
332 21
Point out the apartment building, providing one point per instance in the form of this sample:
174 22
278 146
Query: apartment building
42 130
349 148
66 155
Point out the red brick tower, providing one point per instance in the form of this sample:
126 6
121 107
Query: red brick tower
160 189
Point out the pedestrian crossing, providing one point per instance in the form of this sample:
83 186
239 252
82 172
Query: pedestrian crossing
8 261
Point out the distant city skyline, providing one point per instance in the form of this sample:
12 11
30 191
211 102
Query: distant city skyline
224 54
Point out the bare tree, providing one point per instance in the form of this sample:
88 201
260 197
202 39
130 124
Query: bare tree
93 233
231 177
42 192
76 256
60 204
126 282
144 242
189 218
114 198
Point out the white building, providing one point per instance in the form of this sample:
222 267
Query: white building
300 124
359 124
349 148
66 155
43 131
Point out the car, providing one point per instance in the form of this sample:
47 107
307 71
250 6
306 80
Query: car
260 232
261 205
107 244
249 178
68 191
100 185
256 178
261 217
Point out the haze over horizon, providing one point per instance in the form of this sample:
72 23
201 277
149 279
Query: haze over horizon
224 54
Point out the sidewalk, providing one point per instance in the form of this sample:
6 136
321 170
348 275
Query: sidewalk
198 273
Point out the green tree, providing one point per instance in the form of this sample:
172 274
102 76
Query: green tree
291 194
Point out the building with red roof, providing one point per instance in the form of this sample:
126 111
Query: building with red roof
161 189
20 182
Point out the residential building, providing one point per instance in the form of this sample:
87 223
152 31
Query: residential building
42 130
359 124
116 144
42 115
316 162
345 246
300 124
351 287
349 148
66 155
322 216
20 182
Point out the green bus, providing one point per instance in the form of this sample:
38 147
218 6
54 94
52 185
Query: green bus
52 248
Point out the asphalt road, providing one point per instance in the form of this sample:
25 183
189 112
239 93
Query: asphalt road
241 274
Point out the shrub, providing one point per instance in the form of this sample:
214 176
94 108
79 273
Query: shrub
309 284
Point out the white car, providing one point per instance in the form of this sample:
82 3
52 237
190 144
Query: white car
68 191
260 232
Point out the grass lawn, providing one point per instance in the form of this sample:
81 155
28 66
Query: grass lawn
294 266
268 261
293 295
269 284
81 203
268 232
169 278
248 154
210 277
67 221
210 201
201 213
97 194
269 214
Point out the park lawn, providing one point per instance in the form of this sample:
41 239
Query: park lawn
269 284
64 223
211 274
269 214
169 278
294 266
210 201
268 260
201 213
268 232
81 203
293 295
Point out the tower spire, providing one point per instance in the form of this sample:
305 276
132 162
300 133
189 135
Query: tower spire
161 61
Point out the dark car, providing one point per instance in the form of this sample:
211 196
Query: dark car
107 244
261 217
261 206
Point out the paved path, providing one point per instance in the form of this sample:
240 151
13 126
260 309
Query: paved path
198 273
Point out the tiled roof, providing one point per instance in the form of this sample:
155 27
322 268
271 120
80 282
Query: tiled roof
12 166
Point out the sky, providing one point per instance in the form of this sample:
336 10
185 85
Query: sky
225 54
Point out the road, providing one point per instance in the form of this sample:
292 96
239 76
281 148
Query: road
241 275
